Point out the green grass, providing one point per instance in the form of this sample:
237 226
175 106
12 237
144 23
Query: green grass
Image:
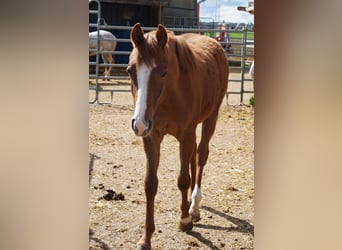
233 35
251 101
238 35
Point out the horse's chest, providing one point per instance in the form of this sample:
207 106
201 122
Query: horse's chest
172 121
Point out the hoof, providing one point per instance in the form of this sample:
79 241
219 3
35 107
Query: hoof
142 246
195 214
186 227
195 217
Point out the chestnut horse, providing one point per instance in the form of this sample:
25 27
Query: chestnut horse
177 82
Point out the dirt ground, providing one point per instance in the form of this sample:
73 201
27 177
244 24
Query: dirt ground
117 163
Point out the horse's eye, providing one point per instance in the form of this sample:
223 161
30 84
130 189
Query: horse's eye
164 74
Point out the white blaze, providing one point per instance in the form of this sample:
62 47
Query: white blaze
143 76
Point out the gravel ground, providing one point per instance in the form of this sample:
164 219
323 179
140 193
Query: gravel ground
117 169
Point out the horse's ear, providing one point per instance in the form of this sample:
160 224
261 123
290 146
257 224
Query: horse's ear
161 35
137 35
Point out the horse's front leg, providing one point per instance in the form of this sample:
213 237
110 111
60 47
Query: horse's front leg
152 151
187 148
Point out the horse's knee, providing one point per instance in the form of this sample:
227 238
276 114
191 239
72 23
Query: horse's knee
183 182
151 186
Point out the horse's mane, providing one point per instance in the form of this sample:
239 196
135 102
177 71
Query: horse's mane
184 53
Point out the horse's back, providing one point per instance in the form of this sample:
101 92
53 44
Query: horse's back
103 34
108 43
210 71
208 53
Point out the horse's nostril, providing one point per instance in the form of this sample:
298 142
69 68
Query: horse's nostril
141 128
148 129
133 125
150 123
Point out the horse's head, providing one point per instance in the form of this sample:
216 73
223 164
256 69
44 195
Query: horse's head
147 69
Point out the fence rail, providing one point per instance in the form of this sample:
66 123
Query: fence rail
238 53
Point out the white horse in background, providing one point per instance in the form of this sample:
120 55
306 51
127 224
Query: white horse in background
107 43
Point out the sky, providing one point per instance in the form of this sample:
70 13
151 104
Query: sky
225 10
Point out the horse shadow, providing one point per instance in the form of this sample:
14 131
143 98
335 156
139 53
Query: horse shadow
92 158
103 245
241 226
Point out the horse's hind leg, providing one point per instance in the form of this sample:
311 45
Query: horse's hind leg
111 61
108 59
193 168
187 147
208 128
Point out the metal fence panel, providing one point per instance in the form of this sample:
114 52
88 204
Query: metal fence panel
240 53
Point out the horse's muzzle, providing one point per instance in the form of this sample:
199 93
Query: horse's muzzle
140 128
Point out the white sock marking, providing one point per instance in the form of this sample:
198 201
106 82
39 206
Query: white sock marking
196 198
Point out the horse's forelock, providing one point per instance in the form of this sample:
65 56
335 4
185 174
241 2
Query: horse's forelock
148 50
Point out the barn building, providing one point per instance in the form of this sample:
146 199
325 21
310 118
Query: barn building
148 12
171 13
